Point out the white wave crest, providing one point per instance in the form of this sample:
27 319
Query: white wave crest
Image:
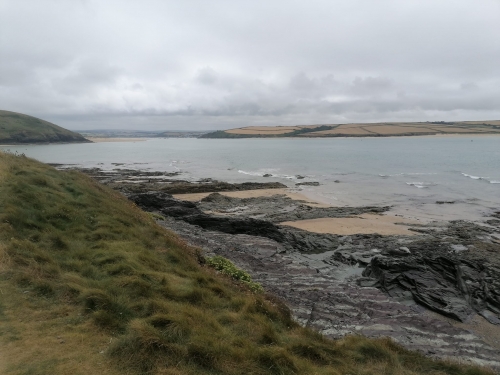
251 173
420 185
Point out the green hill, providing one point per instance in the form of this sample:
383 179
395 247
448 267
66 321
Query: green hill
17 128
90 284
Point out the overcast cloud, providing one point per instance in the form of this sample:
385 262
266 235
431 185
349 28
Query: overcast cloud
217 64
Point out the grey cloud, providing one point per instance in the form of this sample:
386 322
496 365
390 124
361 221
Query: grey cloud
371 84
468 86
207 76
302 82
84 77
217 64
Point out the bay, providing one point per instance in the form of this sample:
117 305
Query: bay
415 175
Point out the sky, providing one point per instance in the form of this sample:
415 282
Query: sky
219 64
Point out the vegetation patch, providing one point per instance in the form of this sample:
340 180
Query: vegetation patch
226 267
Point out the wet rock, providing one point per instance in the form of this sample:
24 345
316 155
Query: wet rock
184 188
425 282
188 212
267 175
249 226
402 251
448 285
279 208
165 203
493 222
307 184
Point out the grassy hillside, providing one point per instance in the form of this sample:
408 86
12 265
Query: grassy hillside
18 128
90 284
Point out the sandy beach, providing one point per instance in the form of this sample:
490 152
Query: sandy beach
99 140
363 224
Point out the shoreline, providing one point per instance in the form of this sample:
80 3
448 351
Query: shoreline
111 139
303 267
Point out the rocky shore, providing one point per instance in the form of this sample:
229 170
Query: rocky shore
437 290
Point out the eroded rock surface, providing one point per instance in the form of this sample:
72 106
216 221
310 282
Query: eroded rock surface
279 208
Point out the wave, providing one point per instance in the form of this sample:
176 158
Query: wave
487 179
268 173
408 174
252 173
418 174
473 177
421 185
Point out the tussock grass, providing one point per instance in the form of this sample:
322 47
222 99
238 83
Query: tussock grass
81 264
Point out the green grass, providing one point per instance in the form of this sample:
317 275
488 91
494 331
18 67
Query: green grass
19 128
226 267
79 261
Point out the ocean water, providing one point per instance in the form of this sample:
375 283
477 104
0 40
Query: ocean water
409 173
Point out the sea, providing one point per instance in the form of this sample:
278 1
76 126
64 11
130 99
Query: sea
424 178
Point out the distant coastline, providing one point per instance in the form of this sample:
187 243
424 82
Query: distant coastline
384 129
111 139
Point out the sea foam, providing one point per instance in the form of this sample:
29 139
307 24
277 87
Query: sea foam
420 185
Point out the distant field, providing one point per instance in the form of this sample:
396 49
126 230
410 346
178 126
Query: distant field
263 130
386 129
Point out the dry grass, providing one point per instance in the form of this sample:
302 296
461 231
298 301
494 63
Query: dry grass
91 284
263 130
339 131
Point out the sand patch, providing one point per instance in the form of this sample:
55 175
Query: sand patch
363 224
195 197
102 139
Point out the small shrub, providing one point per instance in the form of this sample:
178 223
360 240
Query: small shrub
156 216
226 267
